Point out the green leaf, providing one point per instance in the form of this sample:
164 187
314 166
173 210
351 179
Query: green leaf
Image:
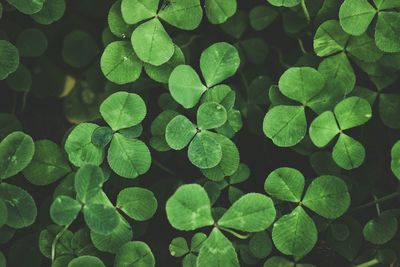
211 115
260 244
138 10
3 213
218 11
102 136
8 124
116 23
122 110
86 261
276 261
389 110
222 94
183 14
21 207
387 32
328 196
101 218
128 158
31 43
9 59
348 153
179 132
88 182
185 86
261 17
395 162
286 184
134 254
79 147
219 62
152 43
204 151
301 83
252 212
52 11
48 164
79 49
217 250
295 234
138 203
178 247
27 6
323 129
189 208
355 16
285 3
197 242
352 112
20 80
386 4
364 48
285 125
119 63
380 230
16 152
64 210
330 38
158 130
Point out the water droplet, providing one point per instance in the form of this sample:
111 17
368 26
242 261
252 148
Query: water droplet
125 58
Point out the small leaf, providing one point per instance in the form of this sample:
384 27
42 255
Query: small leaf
352 111
134 254
328 196
189 208
178 247
100 218
119 63
217 250
286 184
48 164
185 86
138 203
52 11
252 212
122 110
295 234
285 125
64 210
348 153
86 261
285 3
395 162
355 16
330 38
152 43
323 129
16 152
211 115
10 59
27 7
380 230
218 11
183 14
204 151
128 158
88 182
134 11
219 62
179 132
102 136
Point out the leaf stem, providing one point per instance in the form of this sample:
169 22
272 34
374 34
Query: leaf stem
163 167
305 10
301 46
378 209
234 233
368 263
377 200
55 240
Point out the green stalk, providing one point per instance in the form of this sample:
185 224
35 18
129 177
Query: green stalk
234 233
305 10
377 200
55 241
372 262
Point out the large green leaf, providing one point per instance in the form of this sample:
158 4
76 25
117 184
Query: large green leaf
179 132
134 254
323 129
285 125
64 210
185 86
356 15
328 196
138 203
352 111
101 218
216 251
21 207
211 115
152 43
204 151
252 212
219 62
189 208
48 164
119 63
122 110
16 152
183 14
295 234
286 184
330 38
88 182
348 153
27 6
218 11
128 158
134 11
387 32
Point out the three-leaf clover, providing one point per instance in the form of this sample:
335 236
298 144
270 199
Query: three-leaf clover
348 153
179 248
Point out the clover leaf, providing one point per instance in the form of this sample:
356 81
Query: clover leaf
64 210
395 162
138 203
134 253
